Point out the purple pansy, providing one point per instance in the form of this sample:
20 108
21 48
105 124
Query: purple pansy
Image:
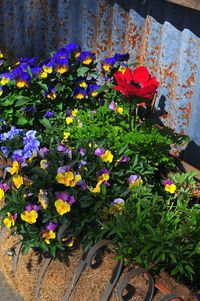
118 201
122 57
82 151
49 114
5 187
86 55
51 226
123 159
168 182
30 207
99 151
132 178
112 106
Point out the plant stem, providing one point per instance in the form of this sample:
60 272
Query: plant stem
134 117
130 115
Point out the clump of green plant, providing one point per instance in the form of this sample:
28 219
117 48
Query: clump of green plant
160 231
111 128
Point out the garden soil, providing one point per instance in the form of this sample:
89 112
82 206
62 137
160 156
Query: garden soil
58 276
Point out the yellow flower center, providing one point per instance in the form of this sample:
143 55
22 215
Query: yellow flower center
106 67
87 60
21 84
79 96
61 69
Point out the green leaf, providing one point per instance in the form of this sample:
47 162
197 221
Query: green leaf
25 249
21 100
53 251
22 120
46 123
9 101
82 70
43 86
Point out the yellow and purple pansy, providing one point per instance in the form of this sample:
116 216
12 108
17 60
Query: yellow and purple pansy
170 186
86 57
114 107
105 154
108 64
64 202
134 180
30 214
10 220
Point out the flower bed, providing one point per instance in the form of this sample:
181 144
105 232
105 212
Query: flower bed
85 159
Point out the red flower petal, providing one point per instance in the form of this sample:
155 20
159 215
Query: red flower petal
128 75
119 77
141 75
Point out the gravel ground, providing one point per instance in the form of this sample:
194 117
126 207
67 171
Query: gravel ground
6 293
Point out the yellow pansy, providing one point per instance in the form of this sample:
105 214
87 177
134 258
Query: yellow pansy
137 182
43 199
62 207
4 81
29 217
69 120
83 85
119 110
43 164
47 69
9 221
15 168
97 189
68 178
34 155
43 74
1 92
74 112
171 188
17 181
48 235
1 55
66 135
1 194
107 156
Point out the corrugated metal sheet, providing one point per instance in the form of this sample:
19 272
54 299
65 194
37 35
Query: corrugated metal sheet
160 37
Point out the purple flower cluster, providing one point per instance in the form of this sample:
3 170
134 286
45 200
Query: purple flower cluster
10 134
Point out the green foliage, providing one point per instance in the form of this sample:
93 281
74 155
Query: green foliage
159 232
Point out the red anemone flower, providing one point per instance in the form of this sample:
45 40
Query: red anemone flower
137 83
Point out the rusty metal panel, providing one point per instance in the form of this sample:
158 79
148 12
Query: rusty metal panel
160 37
